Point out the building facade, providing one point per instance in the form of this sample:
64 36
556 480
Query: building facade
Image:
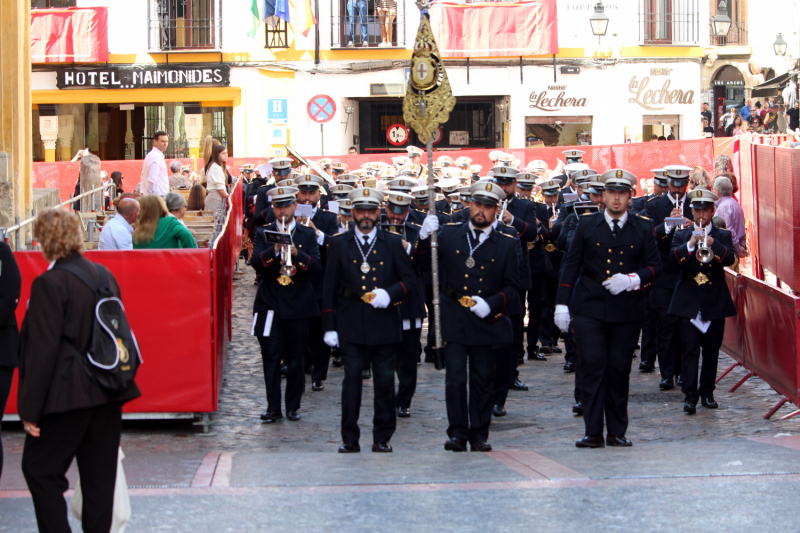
192 69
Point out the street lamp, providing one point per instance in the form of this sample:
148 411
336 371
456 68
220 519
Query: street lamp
780 46
722 22
599 20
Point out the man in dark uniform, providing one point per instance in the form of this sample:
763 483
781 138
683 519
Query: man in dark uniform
446 186
525 183
462 215
660 186
281 168
325 225
670 205
368 275
480 267
701 300
285 302
610 258
412 310
531 225
573 156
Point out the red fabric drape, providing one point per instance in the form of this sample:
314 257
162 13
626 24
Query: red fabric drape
495 30
72 35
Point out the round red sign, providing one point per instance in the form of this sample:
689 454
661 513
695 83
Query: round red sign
397 134
321 108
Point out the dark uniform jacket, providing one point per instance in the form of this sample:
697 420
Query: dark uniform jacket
263 204
537 255
657 210
495 278
562 192
414 305
56 331
297 299
702 286
10 287
638 204
525 282
444 207
343 311
555 253
594 255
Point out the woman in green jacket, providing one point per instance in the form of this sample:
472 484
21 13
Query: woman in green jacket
156 229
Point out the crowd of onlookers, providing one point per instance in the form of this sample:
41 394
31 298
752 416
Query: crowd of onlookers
754 117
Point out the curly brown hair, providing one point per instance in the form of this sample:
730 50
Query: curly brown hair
59 233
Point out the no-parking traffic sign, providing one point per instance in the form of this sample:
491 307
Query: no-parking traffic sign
321 108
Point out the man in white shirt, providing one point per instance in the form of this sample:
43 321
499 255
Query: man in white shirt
117 234
155 178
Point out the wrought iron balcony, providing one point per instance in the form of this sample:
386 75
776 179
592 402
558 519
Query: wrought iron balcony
383 21
184 25
737 35
665 22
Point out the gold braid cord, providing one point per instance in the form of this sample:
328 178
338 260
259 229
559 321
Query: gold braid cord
429 99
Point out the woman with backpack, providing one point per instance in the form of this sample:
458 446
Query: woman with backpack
65 411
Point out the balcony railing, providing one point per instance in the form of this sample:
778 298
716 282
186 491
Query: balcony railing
184 25
737 35
675 22
349 18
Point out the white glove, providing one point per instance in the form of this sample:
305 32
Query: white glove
481 308
382 299
617 283
561 317
331 338
429 225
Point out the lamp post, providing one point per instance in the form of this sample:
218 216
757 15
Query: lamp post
721 24
779 45
599 21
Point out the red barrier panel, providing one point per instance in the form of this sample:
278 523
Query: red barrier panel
733 341
168 303
770 326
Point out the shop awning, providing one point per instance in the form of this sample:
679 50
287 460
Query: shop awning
71 35
771 87
495 29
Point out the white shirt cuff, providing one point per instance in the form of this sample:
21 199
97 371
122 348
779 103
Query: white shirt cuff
320 237
408 249
668 228
690 247
636 282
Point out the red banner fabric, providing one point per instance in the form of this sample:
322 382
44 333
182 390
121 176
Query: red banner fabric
167 297
495 30
71 35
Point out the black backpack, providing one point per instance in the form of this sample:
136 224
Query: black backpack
113 356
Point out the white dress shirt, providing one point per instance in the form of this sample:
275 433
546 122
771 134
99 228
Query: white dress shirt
155 178
610 221
484 231
116 234
360 236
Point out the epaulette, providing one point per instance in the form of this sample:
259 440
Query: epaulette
642 217
414 224
506 235
453 223
652 198
337 234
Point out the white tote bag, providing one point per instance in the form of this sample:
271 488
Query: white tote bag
122 501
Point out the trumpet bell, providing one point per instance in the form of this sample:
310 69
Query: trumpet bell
704 255
288 270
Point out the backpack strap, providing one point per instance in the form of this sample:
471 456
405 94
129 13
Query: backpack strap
82 275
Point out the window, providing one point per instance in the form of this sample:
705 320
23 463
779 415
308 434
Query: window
737 35
368 23
669 22
184 25
44 4
277 35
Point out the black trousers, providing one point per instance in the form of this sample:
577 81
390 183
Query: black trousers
534 310
505 368
6 375
359 357
287 339
407 356
92 437
649 331
604 350
548 332
469 418
667 338
320 352
692 340
431 337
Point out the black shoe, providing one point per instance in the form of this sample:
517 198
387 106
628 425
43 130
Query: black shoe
498 411
556 349
546 350
284 370
679 381
690 408
709 402
382 447
455 445
480 446
595 441
269 417
366 374
536 356
292 416
618 440
578 409
317 386
403 412
646 366
349 448
666 384
518 385
337 361
569 366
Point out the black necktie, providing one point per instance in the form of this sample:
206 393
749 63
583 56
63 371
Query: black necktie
550 212
615 231
477 234
366 241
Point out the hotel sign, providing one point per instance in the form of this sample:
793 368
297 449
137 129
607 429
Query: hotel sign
145 76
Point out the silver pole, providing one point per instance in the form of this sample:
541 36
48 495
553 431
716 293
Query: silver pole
434 251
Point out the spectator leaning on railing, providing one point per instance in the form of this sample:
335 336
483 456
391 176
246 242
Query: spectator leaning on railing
730 211
156 229
117 232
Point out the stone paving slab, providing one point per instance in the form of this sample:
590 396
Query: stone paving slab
314 469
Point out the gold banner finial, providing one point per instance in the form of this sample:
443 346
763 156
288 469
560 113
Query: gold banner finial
429 98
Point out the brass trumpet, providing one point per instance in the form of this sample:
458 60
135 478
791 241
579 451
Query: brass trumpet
286 254
502 210
704 253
